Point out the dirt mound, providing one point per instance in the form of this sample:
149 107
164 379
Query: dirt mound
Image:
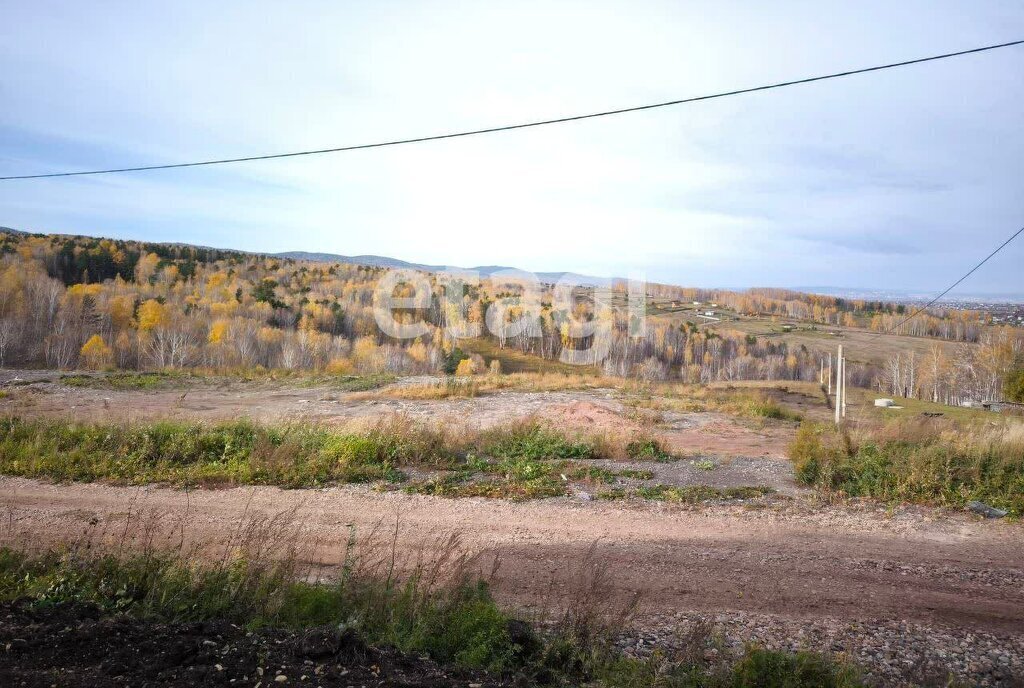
590 416
77 645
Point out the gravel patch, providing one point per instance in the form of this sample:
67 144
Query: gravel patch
890 652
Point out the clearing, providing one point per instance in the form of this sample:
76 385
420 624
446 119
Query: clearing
920 584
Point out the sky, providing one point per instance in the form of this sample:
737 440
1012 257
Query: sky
901 179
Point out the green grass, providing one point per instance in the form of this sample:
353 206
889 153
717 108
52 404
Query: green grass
519 462
238 452
170 379
759 406
494 488
130 381
939 464
649 449
532 441
687 494
349 383
456 622
520 479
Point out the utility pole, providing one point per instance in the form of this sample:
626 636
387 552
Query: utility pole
845 380
830 372
821 373
839 385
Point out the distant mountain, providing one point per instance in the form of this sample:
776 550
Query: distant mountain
386 262
910 295
375 261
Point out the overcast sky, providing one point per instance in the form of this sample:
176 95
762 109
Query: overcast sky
898 179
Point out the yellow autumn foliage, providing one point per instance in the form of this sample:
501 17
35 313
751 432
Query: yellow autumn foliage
95 352
465 368
152 314
121 309
218 332
340 366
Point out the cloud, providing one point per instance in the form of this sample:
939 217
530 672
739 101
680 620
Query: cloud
841 181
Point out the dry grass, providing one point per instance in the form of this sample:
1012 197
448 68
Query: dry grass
927 460
432 601
450 388
488 384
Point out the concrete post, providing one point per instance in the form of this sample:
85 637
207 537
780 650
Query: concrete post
830 372
845 380
839 385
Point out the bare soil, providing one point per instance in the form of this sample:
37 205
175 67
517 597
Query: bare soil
742 452
76 645
788 560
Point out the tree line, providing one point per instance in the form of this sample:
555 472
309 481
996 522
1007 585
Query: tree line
68 302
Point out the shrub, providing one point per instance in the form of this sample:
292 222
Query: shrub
530 439
1013 385
452 360
767 669
465 368
916 462
648 449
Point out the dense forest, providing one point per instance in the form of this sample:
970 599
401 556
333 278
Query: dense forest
81 302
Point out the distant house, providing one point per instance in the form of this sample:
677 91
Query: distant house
709 312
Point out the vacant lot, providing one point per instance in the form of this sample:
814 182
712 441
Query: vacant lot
893 587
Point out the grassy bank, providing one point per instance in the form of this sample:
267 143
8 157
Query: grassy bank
920 461
128 380
686 494
453 622
742 402
237 452
440 610
525 459
520 479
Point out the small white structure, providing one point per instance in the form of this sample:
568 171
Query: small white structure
885 403
709 312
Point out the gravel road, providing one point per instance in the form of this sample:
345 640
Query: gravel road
883 587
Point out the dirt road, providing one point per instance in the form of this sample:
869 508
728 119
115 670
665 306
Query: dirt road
785 561
896 591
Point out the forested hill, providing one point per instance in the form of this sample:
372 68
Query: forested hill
70 301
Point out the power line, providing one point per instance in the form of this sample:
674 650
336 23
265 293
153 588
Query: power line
510 127
950 288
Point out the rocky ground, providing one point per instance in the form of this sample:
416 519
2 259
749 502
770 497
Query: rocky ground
904 593
890 652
